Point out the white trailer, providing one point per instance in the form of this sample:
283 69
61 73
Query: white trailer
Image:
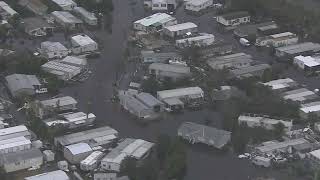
261 161
91 162
244 42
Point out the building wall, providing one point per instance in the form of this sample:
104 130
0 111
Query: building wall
167 74
15 149
21 92
200 43
110 166
24 164
75 159
233 22
203 6
174 34
56 54
26 134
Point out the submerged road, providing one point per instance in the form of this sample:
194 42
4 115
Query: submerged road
203 162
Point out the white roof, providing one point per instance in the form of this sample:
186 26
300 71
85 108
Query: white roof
74 61
83 40
197 2
316 153
155 18
279 83
92 158
201 37
85 13
170 68
310 107
12 130
7 8
14 142
308 60
264 120
135 148
179 27
66 17
298 94
49 46
79 148
281 35
63 3
53 175
179 92
60 66
63 101
78 116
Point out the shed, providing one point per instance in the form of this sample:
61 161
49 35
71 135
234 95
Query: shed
197 133
22 84
53 175
75 153
27 159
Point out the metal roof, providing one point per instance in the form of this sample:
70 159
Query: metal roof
85 136
20 156
92 158
60 66
72 60
48 46
280 83
247 71
79 148
18 82
66 17
14 142
310 107
202 36
282 35
13 130
280 145
299 94
148 99
315 153
82 40
176 93
63 3
170 68
234 15
217 62
32 23
155 18
308 60
182 26
197 2
208 135
53 175
83 12
300 48
135 148
62 101
4 6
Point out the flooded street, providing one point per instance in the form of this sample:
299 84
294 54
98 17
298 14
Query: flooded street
203 162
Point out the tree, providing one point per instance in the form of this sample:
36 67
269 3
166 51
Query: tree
163 144
151 85
278 130
317 175
129 167
175 164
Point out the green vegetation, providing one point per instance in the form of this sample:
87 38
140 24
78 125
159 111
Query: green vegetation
152 85
292 15
169 162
